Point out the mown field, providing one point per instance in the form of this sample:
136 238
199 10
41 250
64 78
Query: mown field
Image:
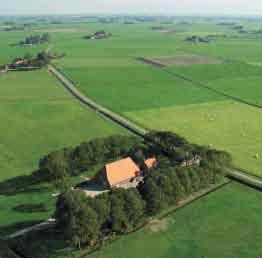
38 116
226 125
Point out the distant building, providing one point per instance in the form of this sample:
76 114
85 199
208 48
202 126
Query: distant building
21 62
118 173
99 35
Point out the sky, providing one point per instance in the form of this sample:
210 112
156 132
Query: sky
169 7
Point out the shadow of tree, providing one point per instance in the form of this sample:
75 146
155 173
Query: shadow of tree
11 228
23 184
31 207
42 244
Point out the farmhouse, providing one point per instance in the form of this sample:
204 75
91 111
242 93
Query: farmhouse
118 173
123 173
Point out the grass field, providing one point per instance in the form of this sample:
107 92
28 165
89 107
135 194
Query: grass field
225 125
200 230
38 116
235 79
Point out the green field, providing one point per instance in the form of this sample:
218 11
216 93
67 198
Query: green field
235 79
38 116
225 125
218 225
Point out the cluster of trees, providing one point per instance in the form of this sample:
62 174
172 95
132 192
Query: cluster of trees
88 221
36 39
73 161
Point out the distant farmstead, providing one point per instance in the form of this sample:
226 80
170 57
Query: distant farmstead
99 35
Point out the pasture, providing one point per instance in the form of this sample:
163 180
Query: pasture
236 79
38 116
226 125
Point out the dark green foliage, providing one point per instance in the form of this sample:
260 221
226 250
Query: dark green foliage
56 165
83 219
70 162
5 251
77 219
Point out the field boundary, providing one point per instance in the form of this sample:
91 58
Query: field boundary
202 85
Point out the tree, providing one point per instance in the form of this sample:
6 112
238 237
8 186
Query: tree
118 220
84 226
152 195
134 207
77 219
56 165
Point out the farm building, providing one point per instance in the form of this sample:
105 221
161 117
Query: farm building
118 173
151 163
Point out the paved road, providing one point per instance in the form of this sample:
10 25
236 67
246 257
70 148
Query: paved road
245 178
69 85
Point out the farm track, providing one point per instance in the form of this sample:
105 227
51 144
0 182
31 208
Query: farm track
202 85
235 174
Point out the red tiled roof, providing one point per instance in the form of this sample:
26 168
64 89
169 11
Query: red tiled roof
121 170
